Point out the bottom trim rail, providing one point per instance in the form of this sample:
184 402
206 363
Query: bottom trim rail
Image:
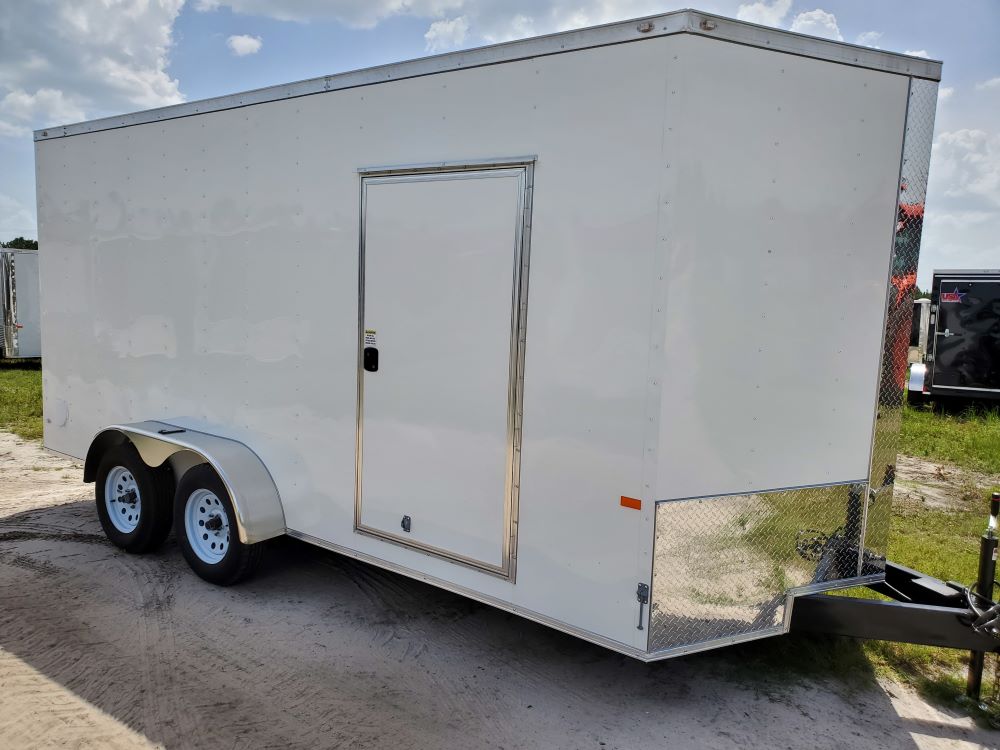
870 619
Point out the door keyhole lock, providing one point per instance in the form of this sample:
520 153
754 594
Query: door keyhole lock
405 524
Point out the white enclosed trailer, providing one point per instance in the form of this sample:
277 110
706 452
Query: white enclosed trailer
546 323
20 314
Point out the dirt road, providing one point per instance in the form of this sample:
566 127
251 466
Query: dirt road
99 649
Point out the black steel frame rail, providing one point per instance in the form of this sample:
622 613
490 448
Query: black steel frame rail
870 619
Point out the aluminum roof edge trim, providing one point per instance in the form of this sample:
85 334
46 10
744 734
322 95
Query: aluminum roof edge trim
677 22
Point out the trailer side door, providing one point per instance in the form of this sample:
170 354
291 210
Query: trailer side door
438 409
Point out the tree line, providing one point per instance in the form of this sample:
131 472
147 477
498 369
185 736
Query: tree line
19 243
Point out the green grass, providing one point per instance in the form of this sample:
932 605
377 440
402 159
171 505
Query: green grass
21 399
970 439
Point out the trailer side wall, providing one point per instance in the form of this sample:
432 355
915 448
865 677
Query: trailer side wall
205 270
699 208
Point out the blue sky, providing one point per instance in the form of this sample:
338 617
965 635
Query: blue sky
66 60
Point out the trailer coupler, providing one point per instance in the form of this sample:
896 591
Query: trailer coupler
921 609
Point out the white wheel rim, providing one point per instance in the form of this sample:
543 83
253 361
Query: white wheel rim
206 524
122 499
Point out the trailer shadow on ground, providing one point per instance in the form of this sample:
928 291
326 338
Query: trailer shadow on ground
99 647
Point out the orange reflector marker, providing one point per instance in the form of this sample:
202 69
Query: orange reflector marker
631 502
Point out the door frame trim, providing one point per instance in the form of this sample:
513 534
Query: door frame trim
523 165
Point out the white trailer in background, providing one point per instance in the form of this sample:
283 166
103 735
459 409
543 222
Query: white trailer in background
20 316
918 332
545 323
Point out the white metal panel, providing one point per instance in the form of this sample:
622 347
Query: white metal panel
29 333
440 253
781 210
205 270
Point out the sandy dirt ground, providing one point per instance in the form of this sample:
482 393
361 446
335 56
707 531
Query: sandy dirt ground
100 649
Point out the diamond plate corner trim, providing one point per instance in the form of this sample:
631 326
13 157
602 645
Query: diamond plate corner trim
914 167
722 566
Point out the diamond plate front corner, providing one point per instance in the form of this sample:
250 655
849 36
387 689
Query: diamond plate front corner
921 107
722 566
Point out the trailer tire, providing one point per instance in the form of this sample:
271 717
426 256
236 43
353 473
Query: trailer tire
133 500
206 529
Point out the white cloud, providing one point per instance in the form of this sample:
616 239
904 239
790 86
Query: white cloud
764 13
10 130
487 20
503 20
20 106
869 38
363 14
67 60
966 164
242 44
963 198
16 219
916 53
945 92
993 83
817 23
446 34
517 26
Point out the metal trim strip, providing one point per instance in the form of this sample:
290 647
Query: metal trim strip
914 163
723 495
837 585
729 640
8 306
650 27
886 324
466 165
963 388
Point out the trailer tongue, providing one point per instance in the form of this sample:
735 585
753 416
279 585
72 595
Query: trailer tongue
922 610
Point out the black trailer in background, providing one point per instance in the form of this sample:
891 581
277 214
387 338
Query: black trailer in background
963 341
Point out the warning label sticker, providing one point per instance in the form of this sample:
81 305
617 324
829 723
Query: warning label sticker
370 338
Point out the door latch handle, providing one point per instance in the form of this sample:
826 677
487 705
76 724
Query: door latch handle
642 594
369 359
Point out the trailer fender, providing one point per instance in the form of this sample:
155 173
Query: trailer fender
255 497
917 373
